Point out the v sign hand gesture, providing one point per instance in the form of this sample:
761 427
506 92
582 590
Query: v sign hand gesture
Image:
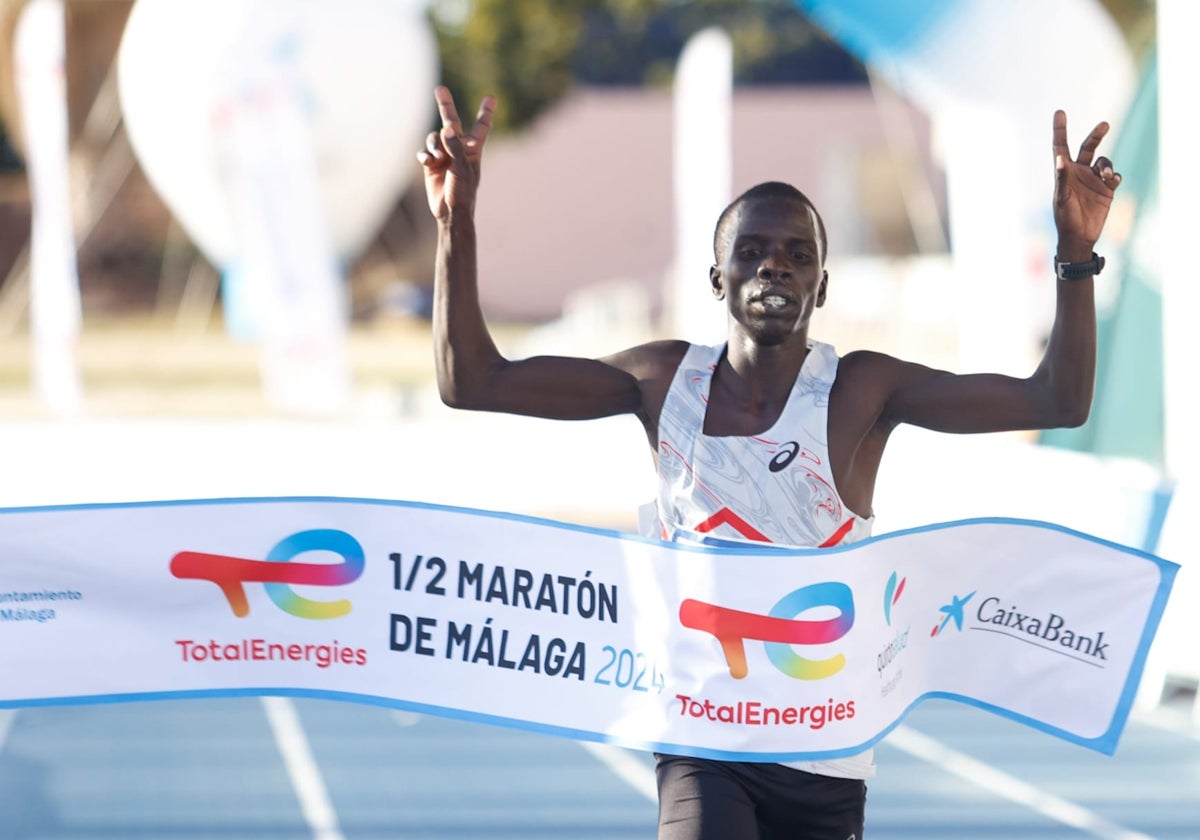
1083 191
451 159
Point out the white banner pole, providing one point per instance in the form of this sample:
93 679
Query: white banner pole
40 54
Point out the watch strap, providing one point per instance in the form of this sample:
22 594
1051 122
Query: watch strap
1079 270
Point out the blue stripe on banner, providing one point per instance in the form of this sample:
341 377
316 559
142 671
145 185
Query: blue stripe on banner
207 614
723 547
874 30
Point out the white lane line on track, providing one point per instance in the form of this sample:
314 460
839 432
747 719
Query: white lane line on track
7 716
302 768
641 778
1010 787
627 768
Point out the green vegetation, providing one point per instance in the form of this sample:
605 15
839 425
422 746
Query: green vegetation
529 52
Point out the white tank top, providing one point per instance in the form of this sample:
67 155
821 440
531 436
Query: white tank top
776 487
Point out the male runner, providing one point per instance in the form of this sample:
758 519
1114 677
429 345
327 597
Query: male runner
770 436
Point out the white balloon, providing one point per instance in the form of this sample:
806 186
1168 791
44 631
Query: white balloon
366 70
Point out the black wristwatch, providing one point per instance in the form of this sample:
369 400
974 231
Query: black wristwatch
1079 270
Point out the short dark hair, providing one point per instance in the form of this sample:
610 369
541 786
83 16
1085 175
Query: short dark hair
767 189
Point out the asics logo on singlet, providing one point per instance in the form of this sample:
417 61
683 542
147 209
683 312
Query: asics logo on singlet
786 454
779 630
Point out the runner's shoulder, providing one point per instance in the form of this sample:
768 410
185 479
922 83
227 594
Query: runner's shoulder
652 360
869 364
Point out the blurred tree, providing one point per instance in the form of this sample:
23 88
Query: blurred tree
518 49
9 129
634 42
9 161
1137 20
529 52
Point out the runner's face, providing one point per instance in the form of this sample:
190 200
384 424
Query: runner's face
771 272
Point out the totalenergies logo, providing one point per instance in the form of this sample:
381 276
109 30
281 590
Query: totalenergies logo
277 573
779 629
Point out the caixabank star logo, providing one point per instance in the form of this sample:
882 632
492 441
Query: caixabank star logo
1040 627
952 612
278 573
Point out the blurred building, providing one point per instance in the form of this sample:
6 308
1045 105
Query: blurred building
585 196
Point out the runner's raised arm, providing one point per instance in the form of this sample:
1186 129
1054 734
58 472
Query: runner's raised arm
471 371
1059 392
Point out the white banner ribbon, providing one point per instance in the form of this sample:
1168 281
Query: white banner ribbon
748 654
